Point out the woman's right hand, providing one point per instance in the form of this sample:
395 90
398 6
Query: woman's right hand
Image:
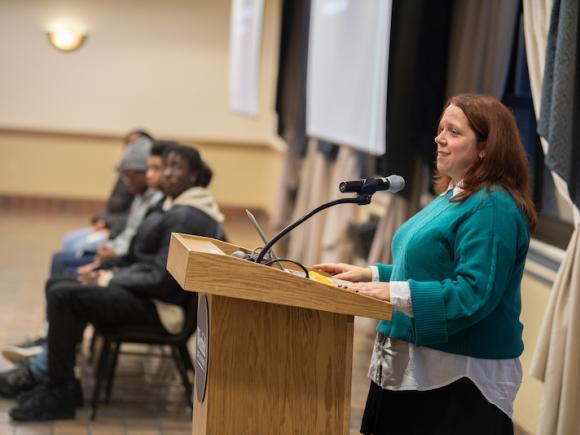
348 272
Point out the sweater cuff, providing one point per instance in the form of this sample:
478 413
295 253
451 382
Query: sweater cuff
401 297
429 312
384 272
375 273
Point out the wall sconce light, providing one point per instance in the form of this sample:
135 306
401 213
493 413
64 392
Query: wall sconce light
66 38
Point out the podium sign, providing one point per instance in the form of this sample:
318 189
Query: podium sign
201 348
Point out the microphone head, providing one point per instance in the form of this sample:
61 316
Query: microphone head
351 186
396 183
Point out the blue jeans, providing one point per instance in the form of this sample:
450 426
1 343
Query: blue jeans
84 239
65 263
39 364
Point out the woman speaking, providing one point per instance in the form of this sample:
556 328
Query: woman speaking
447 362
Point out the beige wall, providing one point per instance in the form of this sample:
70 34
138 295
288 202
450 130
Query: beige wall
82 167
58 166
158 65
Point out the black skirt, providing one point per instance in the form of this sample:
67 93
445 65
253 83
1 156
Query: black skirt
457 408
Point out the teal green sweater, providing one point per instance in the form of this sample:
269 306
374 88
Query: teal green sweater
464 263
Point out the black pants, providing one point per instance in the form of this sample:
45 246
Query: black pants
457 408
70 306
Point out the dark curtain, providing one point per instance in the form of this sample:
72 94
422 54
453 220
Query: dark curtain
291 102
518 97
559 119
292 68
416 84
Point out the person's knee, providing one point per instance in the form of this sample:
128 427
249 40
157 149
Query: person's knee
48 289
60 299
60 293
51 282
56 282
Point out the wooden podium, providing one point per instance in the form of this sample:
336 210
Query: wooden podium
277 348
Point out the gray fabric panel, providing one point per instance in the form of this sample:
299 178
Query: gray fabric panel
559 121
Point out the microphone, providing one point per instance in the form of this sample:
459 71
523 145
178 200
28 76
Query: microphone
392 183
364 190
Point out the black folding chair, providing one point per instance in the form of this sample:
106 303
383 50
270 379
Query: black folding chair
113 337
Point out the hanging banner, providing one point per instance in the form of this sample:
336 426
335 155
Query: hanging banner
245 42
348 57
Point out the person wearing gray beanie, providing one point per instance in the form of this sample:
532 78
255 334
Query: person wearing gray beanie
136 155
133 168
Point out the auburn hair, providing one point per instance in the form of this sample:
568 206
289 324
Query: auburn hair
503 161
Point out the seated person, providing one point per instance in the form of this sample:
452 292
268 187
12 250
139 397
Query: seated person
134 295
111 222
120 199
133 167
14 381
65 263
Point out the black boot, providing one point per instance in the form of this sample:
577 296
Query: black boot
47 402
16 381
77 389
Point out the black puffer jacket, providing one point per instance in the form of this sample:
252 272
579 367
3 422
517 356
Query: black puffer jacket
147 274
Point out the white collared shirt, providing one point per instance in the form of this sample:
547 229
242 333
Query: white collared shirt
399 365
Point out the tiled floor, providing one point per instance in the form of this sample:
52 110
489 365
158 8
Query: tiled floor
147 397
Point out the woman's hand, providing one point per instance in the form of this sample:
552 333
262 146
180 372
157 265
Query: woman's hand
348 272
378 290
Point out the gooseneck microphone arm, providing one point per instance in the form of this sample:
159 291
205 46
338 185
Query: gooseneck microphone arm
360 200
